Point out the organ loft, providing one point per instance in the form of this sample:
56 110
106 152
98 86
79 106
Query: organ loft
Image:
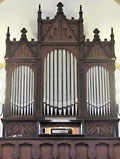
60 84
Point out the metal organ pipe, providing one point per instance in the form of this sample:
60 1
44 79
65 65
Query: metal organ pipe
98 94
75 84
51 83
64 83
68 82
108 90
55 81
72 85
22 91
48 81
61 82
44 96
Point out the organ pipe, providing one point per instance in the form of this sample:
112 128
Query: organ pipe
75 84
51 82
98 93
72 84
55 81
22 91
60 96
68 82
48 81
64 83
44 96
60 81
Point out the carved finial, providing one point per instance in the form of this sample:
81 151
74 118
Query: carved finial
23 31
96 34
112 35
8 34
80 13
39 12
60 7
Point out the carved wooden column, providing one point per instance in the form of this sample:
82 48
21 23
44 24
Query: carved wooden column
38 87
8 92
73 154
35 153
55 151
112 91
91 151
111 152
82 86
16 152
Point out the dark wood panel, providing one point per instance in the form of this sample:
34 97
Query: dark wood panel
117 151
64 151
62 147
7 151
25 151
102 151
46 151
81 151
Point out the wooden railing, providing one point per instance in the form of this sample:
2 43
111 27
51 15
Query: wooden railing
60 147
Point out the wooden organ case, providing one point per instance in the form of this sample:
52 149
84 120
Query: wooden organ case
61 82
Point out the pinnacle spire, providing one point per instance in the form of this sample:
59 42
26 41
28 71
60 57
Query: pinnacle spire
81 13
112 35
39 12
23 35
8 34
96 34
60 7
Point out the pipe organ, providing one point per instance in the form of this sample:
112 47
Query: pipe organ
98 91
22 91
61 80
60 84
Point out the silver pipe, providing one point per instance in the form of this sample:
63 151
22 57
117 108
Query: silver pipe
94 89
12 92
75 84
22 86
89 91
32 93
106 98
92 94
48 85
108 81
28 84
55 82
26 88
98 87
60 81
19 89
30 107
68 82
16 78
64 82
51 83
87 88
44 95
72 84
103 90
